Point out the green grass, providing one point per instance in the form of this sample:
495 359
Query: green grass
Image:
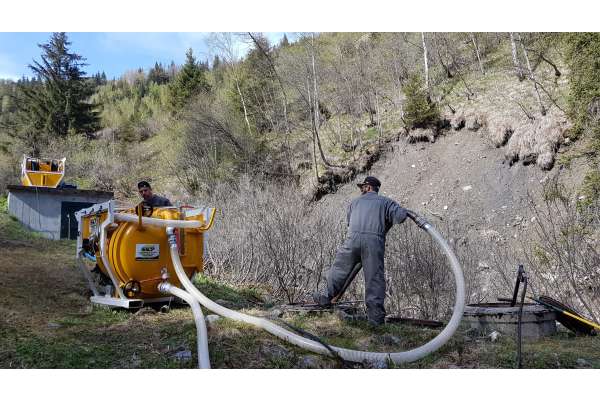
559 351
590 188
100 316
241 297
10 227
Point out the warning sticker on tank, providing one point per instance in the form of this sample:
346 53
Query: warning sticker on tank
147 252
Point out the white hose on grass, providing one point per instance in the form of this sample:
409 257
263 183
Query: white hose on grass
202 341
311 345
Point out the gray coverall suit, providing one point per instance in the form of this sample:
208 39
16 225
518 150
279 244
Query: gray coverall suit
370 217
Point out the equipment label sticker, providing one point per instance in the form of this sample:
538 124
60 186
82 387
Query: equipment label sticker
93 225
147 252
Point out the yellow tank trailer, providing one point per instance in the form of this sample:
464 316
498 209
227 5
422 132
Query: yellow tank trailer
42 172
130 248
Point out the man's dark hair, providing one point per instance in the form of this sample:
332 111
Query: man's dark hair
143 184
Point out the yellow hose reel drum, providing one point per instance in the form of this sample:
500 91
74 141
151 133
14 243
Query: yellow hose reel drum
139 253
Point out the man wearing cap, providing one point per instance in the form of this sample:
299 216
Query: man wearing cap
151 199
370 216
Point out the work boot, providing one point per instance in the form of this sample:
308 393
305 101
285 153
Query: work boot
321 299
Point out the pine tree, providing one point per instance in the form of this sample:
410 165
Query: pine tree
216 63
284 41
419 111
189 82
158 74
56 103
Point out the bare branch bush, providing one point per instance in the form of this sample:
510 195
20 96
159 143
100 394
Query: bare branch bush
565 255
269 236
419 279
103 164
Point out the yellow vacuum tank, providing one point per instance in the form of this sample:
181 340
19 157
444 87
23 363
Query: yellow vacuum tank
139 253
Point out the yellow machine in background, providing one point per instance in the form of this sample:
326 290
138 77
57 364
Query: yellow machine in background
42 172
130 247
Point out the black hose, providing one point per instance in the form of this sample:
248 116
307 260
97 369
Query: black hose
300 331
519 327
419 220
347 282
520 273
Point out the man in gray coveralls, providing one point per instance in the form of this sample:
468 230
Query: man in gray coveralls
370 217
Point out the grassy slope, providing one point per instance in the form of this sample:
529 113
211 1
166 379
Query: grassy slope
47 322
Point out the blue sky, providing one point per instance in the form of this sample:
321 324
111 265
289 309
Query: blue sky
112 52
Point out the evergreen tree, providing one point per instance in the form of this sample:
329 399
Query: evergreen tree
216 63
172 72
284 41
158 74
217 70
99 79
56 103
189 82
419 110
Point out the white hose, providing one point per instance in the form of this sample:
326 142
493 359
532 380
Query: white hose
158 222
203 359
103 228
311 345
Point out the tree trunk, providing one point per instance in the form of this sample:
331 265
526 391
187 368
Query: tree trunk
315 89
426 65
314 136
532 77
378 111
315 106
516 62
441 59
477 52
237 85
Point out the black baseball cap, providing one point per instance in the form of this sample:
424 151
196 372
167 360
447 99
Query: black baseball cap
370 180
143 184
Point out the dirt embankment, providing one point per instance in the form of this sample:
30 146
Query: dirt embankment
461 178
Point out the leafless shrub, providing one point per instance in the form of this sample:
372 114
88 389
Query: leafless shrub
420 281
102 164
269 236
564 256
9 170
